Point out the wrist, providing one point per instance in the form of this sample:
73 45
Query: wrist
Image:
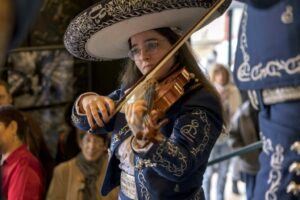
142 148
140 143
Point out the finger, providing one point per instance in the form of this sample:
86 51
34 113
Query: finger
141 102
132 114
163 123
156 115
148 122
139 111
110 104
127 112
89 117
96 116
103 111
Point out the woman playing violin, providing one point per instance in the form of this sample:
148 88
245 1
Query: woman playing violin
154 153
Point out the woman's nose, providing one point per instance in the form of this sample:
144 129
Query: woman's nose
144 54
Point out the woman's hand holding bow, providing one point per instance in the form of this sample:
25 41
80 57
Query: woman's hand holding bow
97 109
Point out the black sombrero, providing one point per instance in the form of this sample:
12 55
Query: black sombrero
101 32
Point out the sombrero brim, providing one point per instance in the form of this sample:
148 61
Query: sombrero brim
97 34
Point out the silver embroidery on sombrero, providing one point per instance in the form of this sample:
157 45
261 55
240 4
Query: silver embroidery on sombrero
103 15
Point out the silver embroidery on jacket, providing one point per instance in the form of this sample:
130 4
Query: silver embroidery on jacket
273 68
140 165
143 189
190 130
173 151
116 137
275 174
267 145
206 131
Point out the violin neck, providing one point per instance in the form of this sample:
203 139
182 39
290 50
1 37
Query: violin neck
149 94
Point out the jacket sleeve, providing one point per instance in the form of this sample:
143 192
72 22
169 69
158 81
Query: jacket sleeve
187 149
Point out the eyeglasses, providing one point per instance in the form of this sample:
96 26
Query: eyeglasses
149 47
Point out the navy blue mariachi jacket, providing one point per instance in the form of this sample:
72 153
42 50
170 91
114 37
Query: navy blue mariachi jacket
268 51
173 169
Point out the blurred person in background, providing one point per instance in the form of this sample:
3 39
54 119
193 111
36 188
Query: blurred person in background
81 177
33 139
231 99
68 146
22 174
244 131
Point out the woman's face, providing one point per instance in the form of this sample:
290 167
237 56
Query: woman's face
92 147
147 49
221 77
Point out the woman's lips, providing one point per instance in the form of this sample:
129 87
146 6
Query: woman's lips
147 67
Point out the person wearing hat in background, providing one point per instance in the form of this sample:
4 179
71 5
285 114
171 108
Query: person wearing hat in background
80 177
268 65
22 176
151 157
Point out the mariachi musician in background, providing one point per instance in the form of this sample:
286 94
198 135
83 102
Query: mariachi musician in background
162 139
268 66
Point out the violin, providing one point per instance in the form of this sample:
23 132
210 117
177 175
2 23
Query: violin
161 96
